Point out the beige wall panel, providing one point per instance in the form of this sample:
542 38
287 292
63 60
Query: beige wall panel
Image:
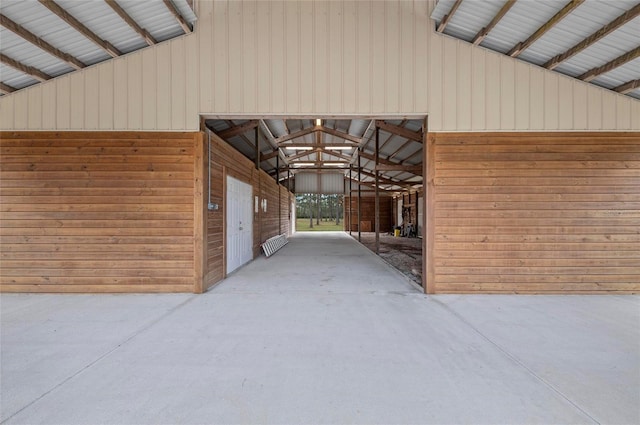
463 89
392 57
335 56
522 100
580 105
34 108
49 106
163 87
623 112
349 55
249 51
306 57
635 115
76 81
550 101
320 60
63 102
120 89
325 57
594 102
407 61
7 111
435 82
178 83
276 62
492 90
135 97
478 108
507 93
105 111
219 60
536 96
149 89
363 66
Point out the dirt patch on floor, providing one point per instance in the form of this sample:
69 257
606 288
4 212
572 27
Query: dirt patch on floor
405 254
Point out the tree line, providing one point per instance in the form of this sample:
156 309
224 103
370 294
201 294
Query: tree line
320 207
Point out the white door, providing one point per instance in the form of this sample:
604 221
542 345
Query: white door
239 223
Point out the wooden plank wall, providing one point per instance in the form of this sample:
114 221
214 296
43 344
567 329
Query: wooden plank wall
409 199
227 161
534 212
367 213
97 212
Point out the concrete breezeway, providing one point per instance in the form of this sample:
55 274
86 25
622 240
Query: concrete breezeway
322 332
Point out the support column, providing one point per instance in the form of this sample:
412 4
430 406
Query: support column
377 210
350 168
279 198
359 195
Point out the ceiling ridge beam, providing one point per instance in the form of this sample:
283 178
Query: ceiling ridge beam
593 38
81 28
611 65
484 32
6 89
186 27
146 36
39 42
565 11
400 131
627 87
34 72
237 130
448 16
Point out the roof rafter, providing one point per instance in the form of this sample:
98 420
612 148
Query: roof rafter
413 169
295 135
627 87
486 30
148 38
448 16
596 36
6 89
609 66
78 26
34 72
186 27
400 131
340 134
39 42
238 129
336 154
566 10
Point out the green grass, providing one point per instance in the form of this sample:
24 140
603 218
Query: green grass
302 225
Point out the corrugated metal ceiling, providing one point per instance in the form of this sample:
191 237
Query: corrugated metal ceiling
526 16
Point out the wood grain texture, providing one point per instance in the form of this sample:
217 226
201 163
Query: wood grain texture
98 212
367 213
535 212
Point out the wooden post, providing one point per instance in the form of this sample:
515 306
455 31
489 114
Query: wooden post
377 209
257 133
350 168
428 224
359 195
200 213
279 198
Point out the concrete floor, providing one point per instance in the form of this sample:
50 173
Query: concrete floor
322 332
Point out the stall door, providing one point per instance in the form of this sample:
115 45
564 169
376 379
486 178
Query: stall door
239 223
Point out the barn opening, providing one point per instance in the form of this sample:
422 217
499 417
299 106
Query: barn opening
360 175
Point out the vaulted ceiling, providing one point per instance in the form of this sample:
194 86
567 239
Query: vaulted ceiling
43 39
597 41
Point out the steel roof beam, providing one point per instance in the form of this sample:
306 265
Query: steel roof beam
484 32
522 46
400 131
596 36
186 27
448 16
627 87
37 41
78 26
609 66
6 89
34 72
148 38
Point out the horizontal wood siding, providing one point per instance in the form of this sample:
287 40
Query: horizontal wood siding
367 213
536 212
97 212
227 161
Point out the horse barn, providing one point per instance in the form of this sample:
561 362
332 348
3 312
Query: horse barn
151 156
